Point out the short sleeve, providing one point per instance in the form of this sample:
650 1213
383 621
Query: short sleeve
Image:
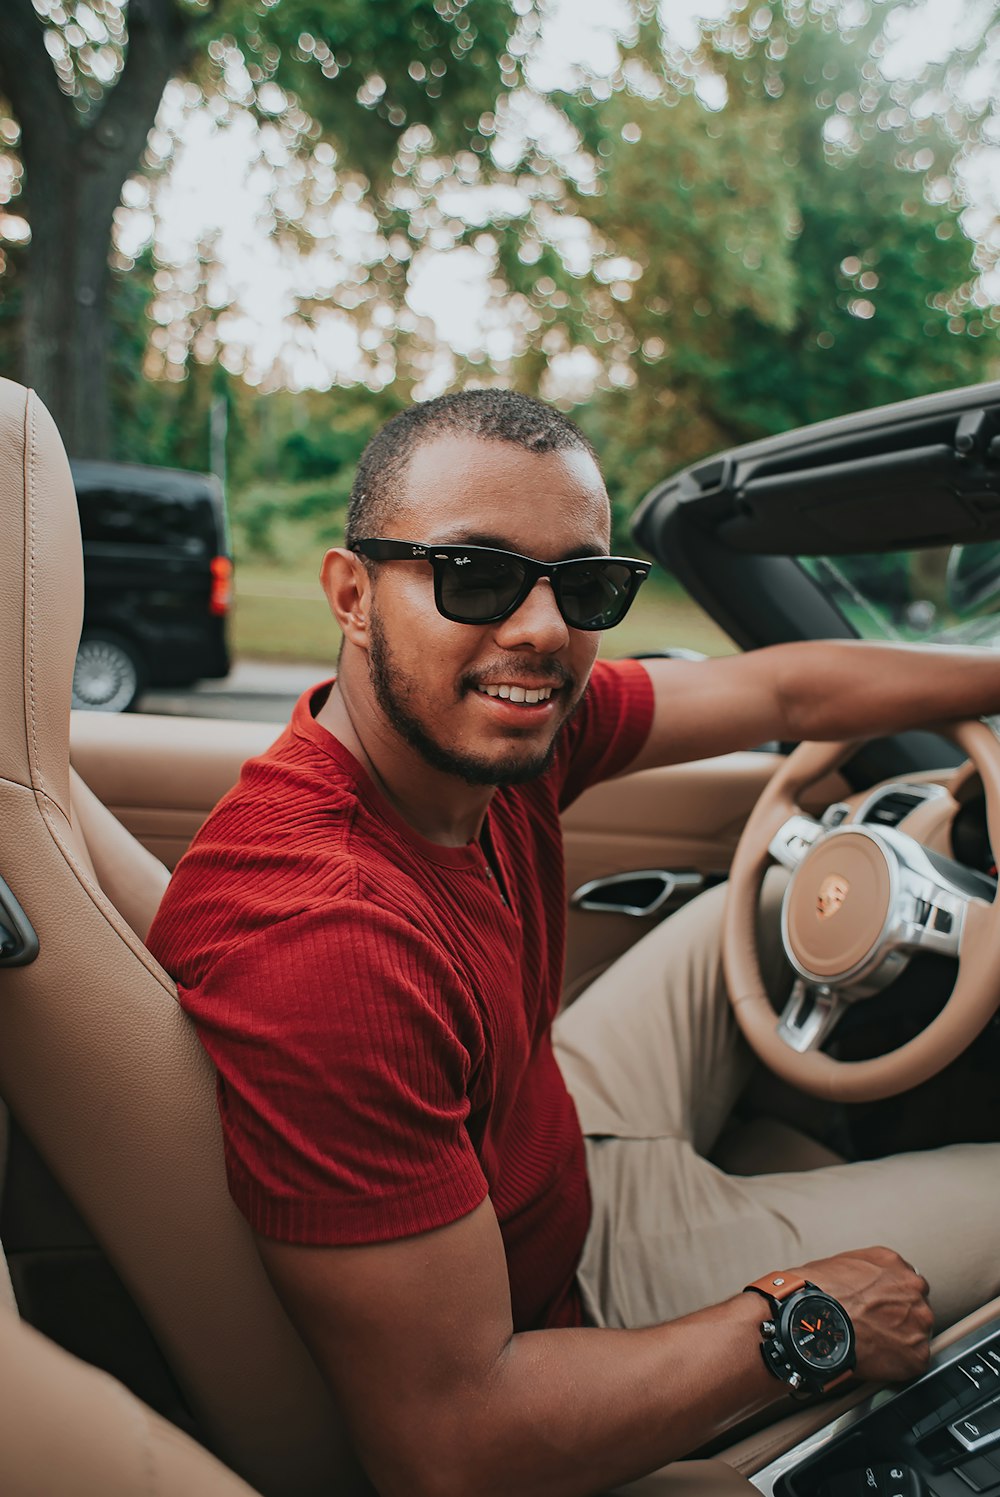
344 1046
609 728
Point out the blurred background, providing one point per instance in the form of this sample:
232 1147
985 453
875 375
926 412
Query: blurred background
237 235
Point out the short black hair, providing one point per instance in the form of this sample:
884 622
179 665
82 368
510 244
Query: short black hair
496 415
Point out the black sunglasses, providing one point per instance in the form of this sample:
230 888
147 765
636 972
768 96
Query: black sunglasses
480 585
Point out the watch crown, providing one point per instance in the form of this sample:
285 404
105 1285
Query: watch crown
768 1330
795 1381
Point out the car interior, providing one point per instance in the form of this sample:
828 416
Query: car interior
141 1344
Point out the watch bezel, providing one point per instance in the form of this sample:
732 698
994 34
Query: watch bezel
790 1309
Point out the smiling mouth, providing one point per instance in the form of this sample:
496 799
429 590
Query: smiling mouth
530 696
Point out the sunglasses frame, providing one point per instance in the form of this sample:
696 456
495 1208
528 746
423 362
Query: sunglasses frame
378 549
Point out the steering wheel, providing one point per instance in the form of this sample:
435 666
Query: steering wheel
861 900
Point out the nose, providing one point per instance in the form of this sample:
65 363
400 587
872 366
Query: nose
536 625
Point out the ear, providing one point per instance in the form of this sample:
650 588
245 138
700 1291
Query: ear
347 586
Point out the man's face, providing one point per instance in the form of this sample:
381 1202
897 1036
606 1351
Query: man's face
432 678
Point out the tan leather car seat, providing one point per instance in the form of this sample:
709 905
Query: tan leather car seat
98 1064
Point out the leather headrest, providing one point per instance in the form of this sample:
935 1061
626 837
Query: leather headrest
41 596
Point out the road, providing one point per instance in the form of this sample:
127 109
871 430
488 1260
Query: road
257 690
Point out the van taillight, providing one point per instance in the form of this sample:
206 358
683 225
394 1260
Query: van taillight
221 595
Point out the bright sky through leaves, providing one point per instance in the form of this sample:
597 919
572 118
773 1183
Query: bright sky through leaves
217 190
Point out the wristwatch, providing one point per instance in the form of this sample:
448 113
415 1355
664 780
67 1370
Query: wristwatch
808 1342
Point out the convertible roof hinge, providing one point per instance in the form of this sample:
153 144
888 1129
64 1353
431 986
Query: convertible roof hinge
972 434
18 942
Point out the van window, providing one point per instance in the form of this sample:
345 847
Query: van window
117 516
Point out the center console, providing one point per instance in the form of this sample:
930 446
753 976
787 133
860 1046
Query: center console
937 1437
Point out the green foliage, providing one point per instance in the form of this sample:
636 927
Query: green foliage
375 83
787 257
333 434
11 296
12 255
306 447
783 271
278 521
367 70
883 306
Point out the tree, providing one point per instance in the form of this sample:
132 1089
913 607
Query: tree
85 90
790 255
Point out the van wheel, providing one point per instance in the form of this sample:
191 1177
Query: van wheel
108 674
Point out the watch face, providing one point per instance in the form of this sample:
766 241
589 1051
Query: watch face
820 1333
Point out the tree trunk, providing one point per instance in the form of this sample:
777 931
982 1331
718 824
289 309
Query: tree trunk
75 166
64 331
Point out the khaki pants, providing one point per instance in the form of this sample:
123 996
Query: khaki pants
654 1061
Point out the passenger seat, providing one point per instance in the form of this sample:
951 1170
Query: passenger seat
100 1067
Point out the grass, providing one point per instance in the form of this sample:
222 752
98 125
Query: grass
280 614
663 616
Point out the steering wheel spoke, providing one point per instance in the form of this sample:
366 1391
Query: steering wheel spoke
934 898
938 924
810 1015
793 839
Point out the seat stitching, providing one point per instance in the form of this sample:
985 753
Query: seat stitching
29 471
117 921
52 815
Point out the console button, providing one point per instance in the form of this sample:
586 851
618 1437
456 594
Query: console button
979 1372
887 1479
981 1427
898 1480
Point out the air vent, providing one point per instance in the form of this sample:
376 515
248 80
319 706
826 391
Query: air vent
888 806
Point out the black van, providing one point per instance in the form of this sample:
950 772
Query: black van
157 581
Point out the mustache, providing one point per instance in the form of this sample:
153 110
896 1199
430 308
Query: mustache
533 673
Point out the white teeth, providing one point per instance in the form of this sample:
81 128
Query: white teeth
530 696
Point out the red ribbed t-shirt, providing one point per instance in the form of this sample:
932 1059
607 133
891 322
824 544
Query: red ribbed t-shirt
378 1017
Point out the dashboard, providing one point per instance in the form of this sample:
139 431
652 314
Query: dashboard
946 813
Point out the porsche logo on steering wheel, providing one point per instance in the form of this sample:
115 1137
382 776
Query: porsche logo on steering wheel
832 893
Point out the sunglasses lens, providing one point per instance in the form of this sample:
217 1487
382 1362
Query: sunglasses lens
595 594
477 587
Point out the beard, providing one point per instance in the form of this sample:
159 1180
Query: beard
395 692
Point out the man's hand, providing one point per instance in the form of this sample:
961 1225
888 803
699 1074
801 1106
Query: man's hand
887 1301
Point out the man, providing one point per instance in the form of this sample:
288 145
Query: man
368 932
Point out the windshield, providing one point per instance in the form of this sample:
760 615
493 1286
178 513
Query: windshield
945 593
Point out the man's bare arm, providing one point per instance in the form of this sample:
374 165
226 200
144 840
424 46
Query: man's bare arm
444 1400
824 689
